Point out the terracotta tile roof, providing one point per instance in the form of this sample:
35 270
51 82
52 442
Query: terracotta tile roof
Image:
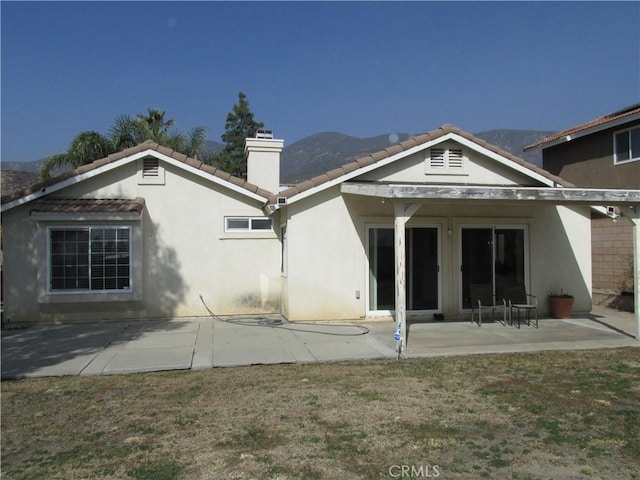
88 205
403 146
598 122
148 145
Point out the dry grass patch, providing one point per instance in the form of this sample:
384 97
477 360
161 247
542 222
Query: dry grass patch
521 416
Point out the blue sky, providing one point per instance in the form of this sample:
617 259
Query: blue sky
360 68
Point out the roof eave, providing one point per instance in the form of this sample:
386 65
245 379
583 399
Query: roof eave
121 158
415 144
574 133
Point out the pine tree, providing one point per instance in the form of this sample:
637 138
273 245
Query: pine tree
239 126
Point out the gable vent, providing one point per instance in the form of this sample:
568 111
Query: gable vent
150 168
446 158
436 159
455 158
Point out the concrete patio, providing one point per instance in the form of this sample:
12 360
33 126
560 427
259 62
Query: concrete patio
203 342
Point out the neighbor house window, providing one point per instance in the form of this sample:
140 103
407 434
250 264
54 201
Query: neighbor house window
93 259
247 224
626 145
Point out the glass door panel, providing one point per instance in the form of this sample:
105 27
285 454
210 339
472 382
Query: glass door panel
495 256
422 269
509 259
477 260
381 269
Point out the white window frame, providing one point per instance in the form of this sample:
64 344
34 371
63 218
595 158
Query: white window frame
88 291
251 222
615 146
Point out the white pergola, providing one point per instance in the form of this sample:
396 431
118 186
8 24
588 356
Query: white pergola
408 198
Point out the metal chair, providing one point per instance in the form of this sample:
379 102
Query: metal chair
483 299
519 301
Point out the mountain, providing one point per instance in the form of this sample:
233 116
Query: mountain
514 141
215 147
325 151
33 167
15 179
322 152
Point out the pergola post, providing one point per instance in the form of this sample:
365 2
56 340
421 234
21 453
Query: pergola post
403 212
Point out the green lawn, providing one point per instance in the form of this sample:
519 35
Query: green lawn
551 415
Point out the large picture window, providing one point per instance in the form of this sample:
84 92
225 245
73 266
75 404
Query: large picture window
95 259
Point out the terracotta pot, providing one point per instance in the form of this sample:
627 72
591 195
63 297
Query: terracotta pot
560 307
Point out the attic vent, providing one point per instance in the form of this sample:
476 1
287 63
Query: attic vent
455 158
150 172
265 134
150 168
436 159
446 158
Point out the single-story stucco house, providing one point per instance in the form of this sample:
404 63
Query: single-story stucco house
150 233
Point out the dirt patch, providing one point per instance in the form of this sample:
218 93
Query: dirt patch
561 415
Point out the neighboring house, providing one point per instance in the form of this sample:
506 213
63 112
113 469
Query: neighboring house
150 233
603 153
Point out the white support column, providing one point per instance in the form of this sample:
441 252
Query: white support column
401 295
403 212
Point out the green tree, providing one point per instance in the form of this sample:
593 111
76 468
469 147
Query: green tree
84 148
239 126
124 133
154 122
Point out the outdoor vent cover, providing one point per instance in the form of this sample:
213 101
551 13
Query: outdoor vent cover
265 134
150 168
446 158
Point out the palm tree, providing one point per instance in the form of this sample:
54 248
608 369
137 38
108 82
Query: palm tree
126 132
190 143
84 148
155 123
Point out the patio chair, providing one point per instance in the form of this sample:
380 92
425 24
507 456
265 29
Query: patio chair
520 301
483 299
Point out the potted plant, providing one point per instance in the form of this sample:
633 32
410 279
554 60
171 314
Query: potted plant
560 304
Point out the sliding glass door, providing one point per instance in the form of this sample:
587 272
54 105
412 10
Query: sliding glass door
422 269
493 256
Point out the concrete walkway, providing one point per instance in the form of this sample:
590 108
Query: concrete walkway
201 343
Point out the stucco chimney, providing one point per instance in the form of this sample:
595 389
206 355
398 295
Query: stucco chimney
263 160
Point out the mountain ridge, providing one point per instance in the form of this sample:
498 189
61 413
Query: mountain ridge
323 151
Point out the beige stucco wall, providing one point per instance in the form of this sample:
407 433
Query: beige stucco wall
181 250
335 231
477 169
183 253
328 276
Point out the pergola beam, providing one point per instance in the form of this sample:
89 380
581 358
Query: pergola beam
409 200
559 196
